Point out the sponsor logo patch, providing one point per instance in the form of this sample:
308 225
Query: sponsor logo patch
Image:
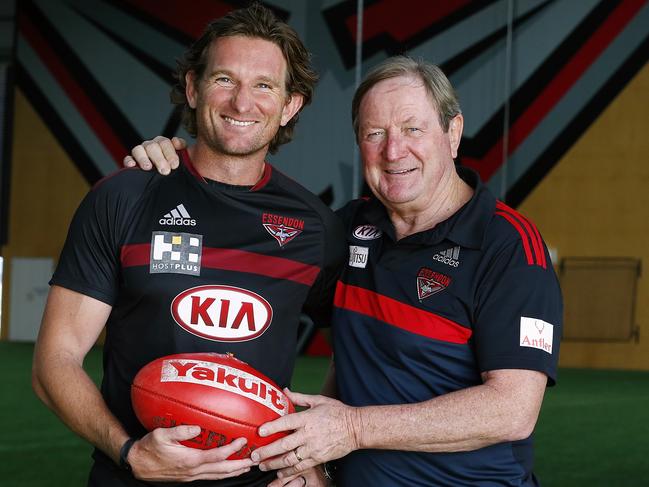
176 253
178 216
430 282
449 256
358 256
367 232
536 333
282 228
222 313
225 378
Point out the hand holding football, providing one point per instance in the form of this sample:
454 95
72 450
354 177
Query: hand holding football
226 397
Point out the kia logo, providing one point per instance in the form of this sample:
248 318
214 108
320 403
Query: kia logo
222 313
367 232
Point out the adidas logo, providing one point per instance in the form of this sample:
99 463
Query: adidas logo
449 257
178 216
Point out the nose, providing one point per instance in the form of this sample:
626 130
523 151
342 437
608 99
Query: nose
242 100
395 148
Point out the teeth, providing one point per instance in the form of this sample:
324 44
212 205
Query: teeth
403 171
237 122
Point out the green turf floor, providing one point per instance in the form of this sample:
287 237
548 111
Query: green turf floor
593 430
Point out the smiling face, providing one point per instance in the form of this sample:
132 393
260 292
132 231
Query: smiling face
241 99
407 157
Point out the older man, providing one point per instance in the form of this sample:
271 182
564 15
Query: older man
446 325
447 318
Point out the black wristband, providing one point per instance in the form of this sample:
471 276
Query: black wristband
123 454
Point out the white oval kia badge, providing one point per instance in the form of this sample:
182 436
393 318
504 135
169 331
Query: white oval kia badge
222 313
367 232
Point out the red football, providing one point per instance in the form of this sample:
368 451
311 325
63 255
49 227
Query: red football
226 397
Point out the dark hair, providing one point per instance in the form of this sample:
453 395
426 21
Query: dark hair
253 21
435 81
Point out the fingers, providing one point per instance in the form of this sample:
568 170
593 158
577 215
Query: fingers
139 157
225 451
289 422
156 155
159 152
295 481
179 143
164 155
177 433
312 478
279 447
287 464
307 400
214 462
128 161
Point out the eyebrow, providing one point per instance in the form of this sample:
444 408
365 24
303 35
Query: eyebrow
412 119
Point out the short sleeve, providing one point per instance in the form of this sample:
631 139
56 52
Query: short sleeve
319 302
89 261
518 318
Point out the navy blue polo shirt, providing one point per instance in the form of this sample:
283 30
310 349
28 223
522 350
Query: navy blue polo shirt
426 315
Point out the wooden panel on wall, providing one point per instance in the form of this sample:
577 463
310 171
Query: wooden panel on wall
599 298
595 202
46 189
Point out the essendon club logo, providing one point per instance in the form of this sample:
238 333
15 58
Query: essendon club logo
283 228
430 282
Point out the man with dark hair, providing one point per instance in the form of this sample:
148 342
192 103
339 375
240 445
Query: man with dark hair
140 243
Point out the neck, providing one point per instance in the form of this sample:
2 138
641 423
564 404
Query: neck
230 169
442 204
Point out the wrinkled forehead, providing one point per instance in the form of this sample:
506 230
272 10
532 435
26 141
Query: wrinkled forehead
396 96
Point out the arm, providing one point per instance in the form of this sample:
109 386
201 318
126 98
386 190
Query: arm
159 152
71 324
504 408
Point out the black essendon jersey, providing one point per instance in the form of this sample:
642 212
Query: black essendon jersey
190 265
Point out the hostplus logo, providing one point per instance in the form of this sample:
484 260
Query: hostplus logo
178 216
449 257
176 253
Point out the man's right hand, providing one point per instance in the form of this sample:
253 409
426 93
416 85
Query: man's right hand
159 152
159 457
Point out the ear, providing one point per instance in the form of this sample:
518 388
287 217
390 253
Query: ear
190 88
292 106
455 128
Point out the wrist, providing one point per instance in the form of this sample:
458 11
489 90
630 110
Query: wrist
329 472
355 422
123 454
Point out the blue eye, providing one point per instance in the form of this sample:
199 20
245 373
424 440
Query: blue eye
374 135
223 80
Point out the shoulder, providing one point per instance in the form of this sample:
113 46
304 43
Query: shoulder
305 197
125 180
127 185
510 228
